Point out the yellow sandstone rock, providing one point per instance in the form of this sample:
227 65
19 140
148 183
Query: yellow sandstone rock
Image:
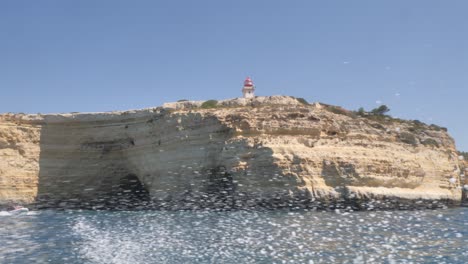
245 152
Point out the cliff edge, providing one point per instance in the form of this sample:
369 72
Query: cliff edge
268 151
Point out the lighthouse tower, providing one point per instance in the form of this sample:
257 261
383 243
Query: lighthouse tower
249 88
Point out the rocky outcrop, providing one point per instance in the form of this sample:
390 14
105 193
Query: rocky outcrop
267 151
464 178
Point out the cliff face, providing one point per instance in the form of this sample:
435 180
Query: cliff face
464 181
268 151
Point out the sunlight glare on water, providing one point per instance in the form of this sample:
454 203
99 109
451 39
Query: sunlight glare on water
437 236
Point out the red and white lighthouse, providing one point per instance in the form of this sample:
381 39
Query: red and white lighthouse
249 88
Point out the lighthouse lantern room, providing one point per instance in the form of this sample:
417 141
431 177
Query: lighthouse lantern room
249 88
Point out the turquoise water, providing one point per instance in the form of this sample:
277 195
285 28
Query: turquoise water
429 236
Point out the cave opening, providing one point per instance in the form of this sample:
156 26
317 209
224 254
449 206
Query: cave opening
129 194
220 188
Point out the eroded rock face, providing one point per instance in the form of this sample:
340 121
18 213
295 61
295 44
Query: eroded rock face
268 151
464 181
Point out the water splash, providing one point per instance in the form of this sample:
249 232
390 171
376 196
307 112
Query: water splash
278 236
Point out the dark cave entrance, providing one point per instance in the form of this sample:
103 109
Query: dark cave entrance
220 189
220 182
129 194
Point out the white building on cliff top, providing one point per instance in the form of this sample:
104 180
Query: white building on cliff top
249 88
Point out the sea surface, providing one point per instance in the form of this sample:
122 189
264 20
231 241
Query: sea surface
282 236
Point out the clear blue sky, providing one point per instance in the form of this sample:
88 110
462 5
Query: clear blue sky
64 55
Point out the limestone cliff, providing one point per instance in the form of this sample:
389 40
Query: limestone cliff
464 178
267 151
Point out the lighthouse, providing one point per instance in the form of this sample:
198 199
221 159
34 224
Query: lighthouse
249 88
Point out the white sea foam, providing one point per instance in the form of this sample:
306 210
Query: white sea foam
4 213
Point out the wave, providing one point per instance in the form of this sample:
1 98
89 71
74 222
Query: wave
4 213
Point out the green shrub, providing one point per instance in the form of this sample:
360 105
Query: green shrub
376 114
361 111
182 100
408 138
418 123
340 111
430 142
417 126
438 128
209 104
302 101
379 118
381 110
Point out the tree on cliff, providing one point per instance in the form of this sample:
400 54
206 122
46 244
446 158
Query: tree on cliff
381 110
